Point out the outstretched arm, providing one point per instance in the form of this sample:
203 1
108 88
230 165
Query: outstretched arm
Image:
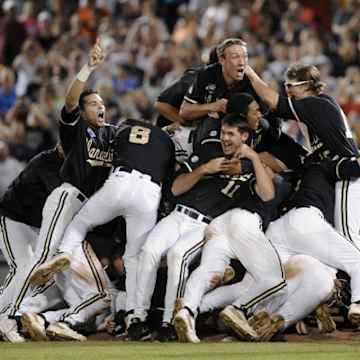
264 91
96 57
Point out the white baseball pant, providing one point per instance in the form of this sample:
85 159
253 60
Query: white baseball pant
237 234
129 194
60 207
84 288
181 238
17 242
310 283
347 209
305 231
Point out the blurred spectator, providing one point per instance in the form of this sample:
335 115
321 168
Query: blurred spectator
7 90
13 33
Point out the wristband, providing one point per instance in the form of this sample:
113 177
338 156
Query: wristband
84 73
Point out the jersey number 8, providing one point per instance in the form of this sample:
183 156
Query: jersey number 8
139 135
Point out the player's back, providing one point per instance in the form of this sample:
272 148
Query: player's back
144 147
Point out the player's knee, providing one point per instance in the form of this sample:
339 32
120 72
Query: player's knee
175 258
150 255
241 222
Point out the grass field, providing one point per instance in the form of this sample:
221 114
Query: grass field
105 350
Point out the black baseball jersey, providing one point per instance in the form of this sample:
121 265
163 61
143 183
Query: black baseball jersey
316 186
144 147
24 199
328 130
87 150
174 93
214 194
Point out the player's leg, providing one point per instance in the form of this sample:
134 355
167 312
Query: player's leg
179 258
162 237
140 217
247 240
347 209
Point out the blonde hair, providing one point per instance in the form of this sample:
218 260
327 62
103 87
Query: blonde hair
220 50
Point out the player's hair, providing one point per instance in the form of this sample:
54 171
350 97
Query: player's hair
239 103
83 95
302 72
235 120
227 43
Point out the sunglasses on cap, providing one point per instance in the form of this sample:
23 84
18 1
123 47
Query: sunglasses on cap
289 84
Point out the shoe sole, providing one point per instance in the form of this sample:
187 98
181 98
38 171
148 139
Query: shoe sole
42 276
182 330
326 323
354 319
228 319
277 324
35 331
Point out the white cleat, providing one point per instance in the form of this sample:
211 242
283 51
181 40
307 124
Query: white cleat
48 269
35 326
62 331
9 331
236 320
354 314
184 325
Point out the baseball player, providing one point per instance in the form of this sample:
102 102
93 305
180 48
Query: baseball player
204 190
20 219
328 130
304 275
238 235
305 228
133 190
85 138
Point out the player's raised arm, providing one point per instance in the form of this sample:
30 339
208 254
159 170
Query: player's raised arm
263 90
96 57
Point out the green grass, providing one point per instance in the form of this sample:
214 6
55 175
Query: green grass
108 350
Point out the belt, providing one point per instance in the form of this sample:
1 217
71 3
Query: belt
193 214
128 169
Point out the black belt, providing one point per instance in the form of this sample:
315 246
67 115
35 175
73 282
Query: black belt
193 214
128 169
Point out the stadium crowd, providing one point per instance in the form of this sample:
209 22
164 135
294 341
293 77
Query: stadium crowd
149 45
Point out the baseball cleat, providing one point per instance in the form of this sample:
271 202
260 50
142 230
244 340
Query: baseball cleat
354 314
185 327
35 326
325 322
48 269
138 330
9 331
62 331
277 323
301 328
166 333
235 319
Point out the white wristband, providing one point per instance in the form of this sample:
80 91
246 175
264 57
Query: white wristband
84 73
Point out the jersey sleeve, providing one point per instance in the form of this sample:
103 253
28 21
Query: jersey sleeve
196 91
174 94
341 169
70 118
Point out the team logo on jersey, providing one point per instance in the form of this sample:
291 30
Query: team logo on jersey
194 159
98 157
213 133
210 92
91 133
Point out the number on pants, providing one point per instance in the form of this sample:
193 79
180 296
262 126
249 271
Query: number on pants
139 135
230 189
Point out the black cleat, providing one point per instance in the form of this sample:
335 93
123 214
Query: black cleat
166 333
138 330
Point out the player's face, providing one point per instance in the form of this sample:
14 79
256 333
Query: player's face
297 89
231 139
233 63
254 115
94 110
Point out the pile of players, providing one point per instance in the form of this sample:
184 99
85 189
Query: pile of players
236 189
